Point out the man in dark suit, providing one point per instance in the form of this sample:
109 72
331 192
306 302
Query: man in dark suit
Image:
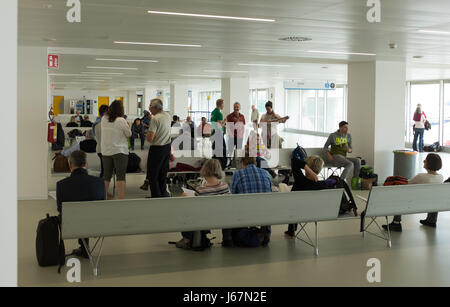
79 187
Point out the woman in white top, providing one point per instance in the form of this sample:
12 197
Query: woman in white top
114 143
432 164
419 127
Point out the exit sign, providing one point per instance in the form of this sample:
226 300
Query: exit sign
53 61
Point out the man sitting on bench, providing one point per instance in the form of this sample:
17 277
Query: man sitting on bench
341 144
79 187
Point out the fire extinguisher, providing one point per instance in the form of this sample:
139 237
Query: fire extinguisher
52 132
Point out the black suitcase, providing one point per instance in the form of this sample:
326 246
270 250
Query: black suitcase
50 249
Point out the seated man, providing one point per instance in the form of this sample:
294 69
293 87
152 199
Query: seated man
137 131
79 187
341 144
88 145
86 122
250 179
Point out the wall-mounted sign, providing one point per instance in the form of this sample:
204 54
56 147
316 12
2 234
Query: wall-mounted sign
53 61
301 85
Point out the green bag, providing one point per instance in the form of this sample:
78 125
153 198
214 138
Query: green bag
366 172
356 183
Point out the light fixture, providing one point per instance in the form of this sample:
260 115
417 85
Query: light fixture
100 73
118 68
212 16
157 44
341 52
264 65
127 60
434 32
295 39
200 76
228 71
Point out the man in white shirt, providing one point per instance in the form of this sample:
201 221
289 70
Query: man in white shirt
159 153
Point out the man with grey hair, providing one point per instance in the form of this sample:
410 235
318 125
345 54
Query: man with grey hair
79 187
235 129
159 153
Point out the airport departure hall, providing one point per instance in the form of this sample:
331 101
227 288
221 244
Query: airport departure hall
217 144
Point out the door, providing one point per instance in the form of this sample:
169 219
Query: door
58 105
102 101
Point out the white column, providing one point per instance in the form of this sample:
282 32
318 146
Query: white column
32 128
376 112
236 90
8 161
132 103
179 100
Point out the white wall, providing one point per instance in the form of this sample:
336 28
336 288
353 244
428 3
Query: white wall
179 100
8 161
32 128
236 89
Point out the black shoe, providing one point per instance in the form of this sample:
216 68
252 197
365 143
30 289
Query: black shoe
80 252
426 223
393 227
272 173
289 234
227 243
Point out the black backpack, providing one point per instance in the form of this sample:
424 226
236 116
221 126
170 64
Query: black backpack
435 147
250 236
299 153
50 248
133 163
347 202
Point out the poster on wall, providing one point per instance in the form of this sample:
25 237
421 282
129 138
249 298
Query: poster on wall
53 61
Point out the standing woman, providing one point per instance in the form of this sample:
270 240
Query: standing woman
115 132
419 127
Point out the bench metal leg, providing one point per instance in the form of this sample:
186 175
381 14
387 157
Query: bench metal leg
314 244
386 235
94 260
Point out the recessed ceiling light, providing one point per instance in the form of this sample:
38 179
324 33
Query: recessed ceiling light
417 57
48 39
127 60
228 71
295 39
212 16
157 44
200 76
118 68
264 65
434 32
341 53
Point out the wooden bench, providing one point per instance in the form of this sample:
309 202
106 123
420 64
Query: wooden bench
100 219
385 201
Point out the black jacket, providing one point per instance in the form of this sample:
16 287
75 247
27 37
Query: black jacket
79 187
301 183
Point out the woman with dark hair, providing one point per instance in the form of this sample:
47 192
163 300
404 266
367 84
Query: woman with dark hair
115 132
269 131
432 164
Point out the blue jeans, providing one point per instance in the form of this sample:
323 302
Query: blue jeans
418 133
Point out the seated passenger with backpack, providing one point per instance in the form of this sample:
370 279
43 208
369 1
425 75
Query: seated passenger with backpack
212 173
79 187
313 166
432 164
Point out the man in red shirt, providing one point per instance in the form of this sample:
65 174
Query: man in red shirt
235 129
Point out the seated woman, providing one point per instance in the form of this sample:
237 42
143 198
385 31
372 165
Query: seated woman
432 164
73 122
312 166
212 173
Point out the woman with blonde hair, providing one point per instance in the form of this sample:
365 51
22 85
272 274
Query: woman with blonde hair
419 127
212 173
309 181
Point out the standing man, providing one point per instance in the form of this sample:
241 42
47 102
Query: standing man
255 117
217 135
159 153
235 129
269 129
79 187
146 120
341 144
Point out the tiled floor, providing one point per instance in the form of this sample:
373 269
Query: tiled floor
419 256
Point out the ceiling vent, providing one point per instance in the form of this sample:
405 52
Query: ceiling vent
295 39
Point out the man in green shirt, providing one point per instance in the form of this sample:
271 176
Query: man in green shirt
218 130
341 144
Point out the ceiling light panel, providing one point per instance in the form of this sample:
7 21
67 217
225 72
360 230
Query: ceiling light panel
212 16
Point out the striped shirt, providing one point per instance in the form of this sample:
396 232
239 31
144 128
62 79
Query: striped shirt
219 189
251 179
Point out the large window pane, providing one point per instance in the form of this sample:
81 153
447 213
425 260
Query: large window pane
335 109
293 108
447 114
428 96
320 121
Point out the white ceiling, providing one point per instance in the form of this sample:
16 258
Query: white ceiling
333 25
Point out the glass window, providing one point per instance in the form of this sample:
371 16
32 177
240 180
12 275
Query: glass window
320 116
446 114
293 108
334 109
428 96
308 118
